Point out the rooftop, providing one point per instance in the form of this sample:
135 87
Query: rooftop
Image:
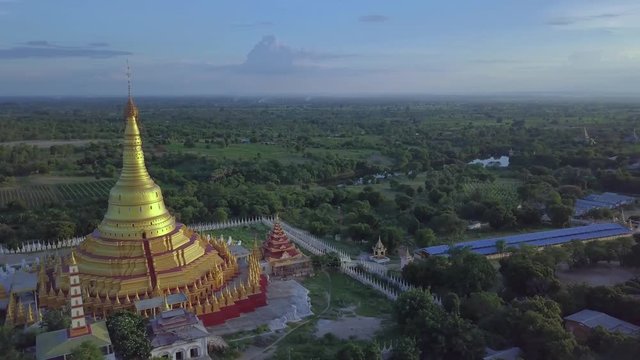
19 281
158 301
592 319
540 238
606 200
174 326
57 343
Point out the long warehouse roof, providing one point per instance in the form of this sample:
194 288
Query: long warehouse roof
541 238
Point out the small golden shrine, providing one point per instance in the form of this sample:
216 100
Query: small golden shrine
282 255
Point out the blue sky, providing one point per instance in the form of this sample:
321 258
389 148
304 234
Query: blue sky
299 47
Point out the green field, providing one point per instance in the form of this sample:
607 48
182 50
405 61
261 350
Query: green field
503 190
240 151
36 194
275 152
345 292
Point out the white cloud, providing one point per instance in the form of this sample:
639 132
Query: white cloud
589 15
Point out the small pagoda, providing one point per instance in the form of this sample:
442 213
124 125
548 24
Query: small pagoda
282 255
379 253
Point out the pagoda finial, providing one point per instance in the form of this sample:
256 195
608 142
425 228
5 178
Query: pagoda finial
73 258
130 110
128 79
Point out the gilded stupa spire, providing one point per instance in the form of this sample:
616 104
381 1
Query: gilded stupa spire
130 109
136 206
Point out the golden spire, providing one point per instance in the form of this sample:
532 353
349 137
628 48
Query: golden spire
131 109
166 303
73 258
136 206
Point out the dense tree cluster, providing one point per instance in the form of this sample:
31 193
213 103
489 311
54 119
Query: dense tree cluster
463 272
129 336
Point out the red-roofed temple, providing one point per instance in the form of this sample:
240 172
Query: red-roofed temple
282 255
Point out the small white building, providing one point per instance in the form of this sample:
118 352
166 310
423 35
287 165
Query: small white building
178 335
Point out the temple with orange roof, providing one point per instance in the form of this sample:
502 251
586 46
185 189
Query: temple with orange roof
284 259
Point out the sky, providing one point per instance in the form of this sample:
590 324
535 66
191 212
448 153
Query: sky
329 47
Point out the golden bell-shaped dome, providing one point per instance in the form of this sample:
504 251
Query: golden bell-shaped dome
136 206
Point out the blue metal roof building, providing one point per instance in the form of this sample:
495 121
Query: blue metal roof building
607 200
542 238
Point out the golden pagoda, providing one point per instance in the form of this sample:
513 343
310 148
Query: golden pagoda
139 252
139 248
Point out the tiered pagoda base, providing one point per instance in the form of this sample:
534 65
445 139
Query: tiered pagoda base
247 305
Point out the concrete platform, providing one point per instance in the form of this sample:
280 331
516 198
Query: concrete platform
281 295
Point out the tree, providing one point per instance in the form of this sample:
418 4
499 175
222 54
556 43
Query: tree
403 202
438 334
128 335
451 303
86 351
414 302
220 214
7 347
597 251
429 272
559 214
7 236
469 272
372 351
498 217
480 305
425 237
390 237
405 349
613 345
424 213
351 351
528 215
56 319
447 223
61 230
525 276
536 326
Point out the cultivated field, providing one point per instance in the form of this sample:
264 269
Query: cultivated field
35 194
50 143
504 191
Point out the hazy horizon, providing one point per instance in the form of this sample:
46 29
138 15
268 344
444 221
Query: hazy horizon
324 49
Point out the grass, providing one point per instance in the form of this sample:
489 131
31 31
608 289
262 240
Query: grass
346 292
244 233
274 152
240 151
